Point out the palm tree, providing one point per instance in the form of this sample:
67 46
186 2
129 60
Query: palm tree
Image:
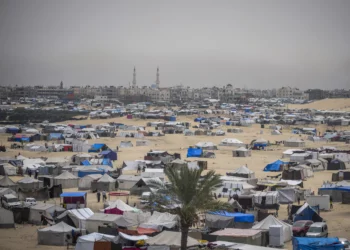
188 194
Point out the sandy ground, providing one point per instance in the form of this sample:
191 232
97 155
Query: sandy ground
342 104
25 237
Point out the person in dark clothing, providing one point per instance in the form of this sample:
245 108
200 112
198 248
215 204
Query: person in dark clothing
98 196
331 201
298 200
30 173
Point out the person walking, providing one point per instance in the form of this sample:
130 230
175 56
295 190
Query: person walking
104 195
331 201
98 196
298 200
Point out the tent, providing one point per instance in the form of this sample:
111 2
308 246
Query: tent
144 185
7 169
317 164
290 151
206 145
100 219
223 219
243 172
294 142
87 242
241 152
260 143
28 183
287 195
125 144
194 152
170 239
6 182
4 191
97 147
55 235
105 183
247 236
274 166
339 164
119 207
158 221
126 182
272 220
67 180
85 182
307 243
266 200
109 154
275 132
305 212
132 220
142 143
75 217
7 219
177 163
46 209
232 142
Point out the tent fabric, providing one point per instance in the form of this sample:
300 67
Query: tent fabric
85 182
286 195
131 219
133 237
306 212
77 216
28 183
86 242
122 206
7 219
7 183
105 183
244 172
100 219
67 180
228 220
274 166
306 243
238 217
172 239
159 220
73 194
194 152
46 209
271 220
55 235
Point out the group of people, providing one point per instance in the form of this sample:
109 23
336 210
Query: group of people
104 196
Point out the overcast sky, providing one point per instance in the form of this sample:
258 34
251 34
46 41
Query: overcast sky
248 43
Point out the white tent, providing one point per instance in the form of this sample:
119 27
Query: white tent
127 181
7 169
55 235
46 209
206 145
29 183
244 172
100 219
32 131
241 152
85 182
122 206
6 218
294 142
159 220
78 216
171 239
131 219
67 180
27 162
87 242
290 151
270 221
105 183
231 142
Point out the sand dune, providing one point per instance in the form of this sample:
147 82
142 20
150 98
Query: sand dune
342 104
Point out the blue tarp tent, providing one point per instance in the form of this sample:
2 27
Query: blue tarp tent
109 154
306 243
274 166
85 163
194 152
107 162
342 189
96 147
305 212
55 136
81 174
198 119
73 194
12 130
238 217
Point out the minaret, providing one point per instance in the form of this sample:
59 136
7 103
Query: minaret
134 79
157 80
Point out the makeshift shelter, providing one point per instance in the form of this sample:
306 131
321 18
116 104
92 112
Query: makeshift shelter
271 221
105 183
119 207
6 182
7 219
73 199
46 209
223 219
55 235
194 152
142 143
289 152
158 221
85 182
306 212
126 182
339 164
144 185
206 146
7 169
67 180
100 219
109 154
341 175
294 142
287 195
126 144
335 192
75 217
132 219
317 164
266 200
171 240
28 183
307 243
177 163
87 242
243 172
232 142
260 143
40 194
78 158
293 173
276 166
4 191
98 147
275 132
246 236
242 152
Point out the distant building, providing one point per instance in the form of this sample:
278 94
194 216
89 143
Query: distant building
291 93
316 94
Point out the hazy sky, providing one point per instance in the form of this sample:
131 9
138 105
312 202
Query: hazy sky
253 44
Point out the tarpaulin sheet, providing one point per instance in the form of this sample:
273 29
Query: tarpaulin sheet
238 217
194 152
